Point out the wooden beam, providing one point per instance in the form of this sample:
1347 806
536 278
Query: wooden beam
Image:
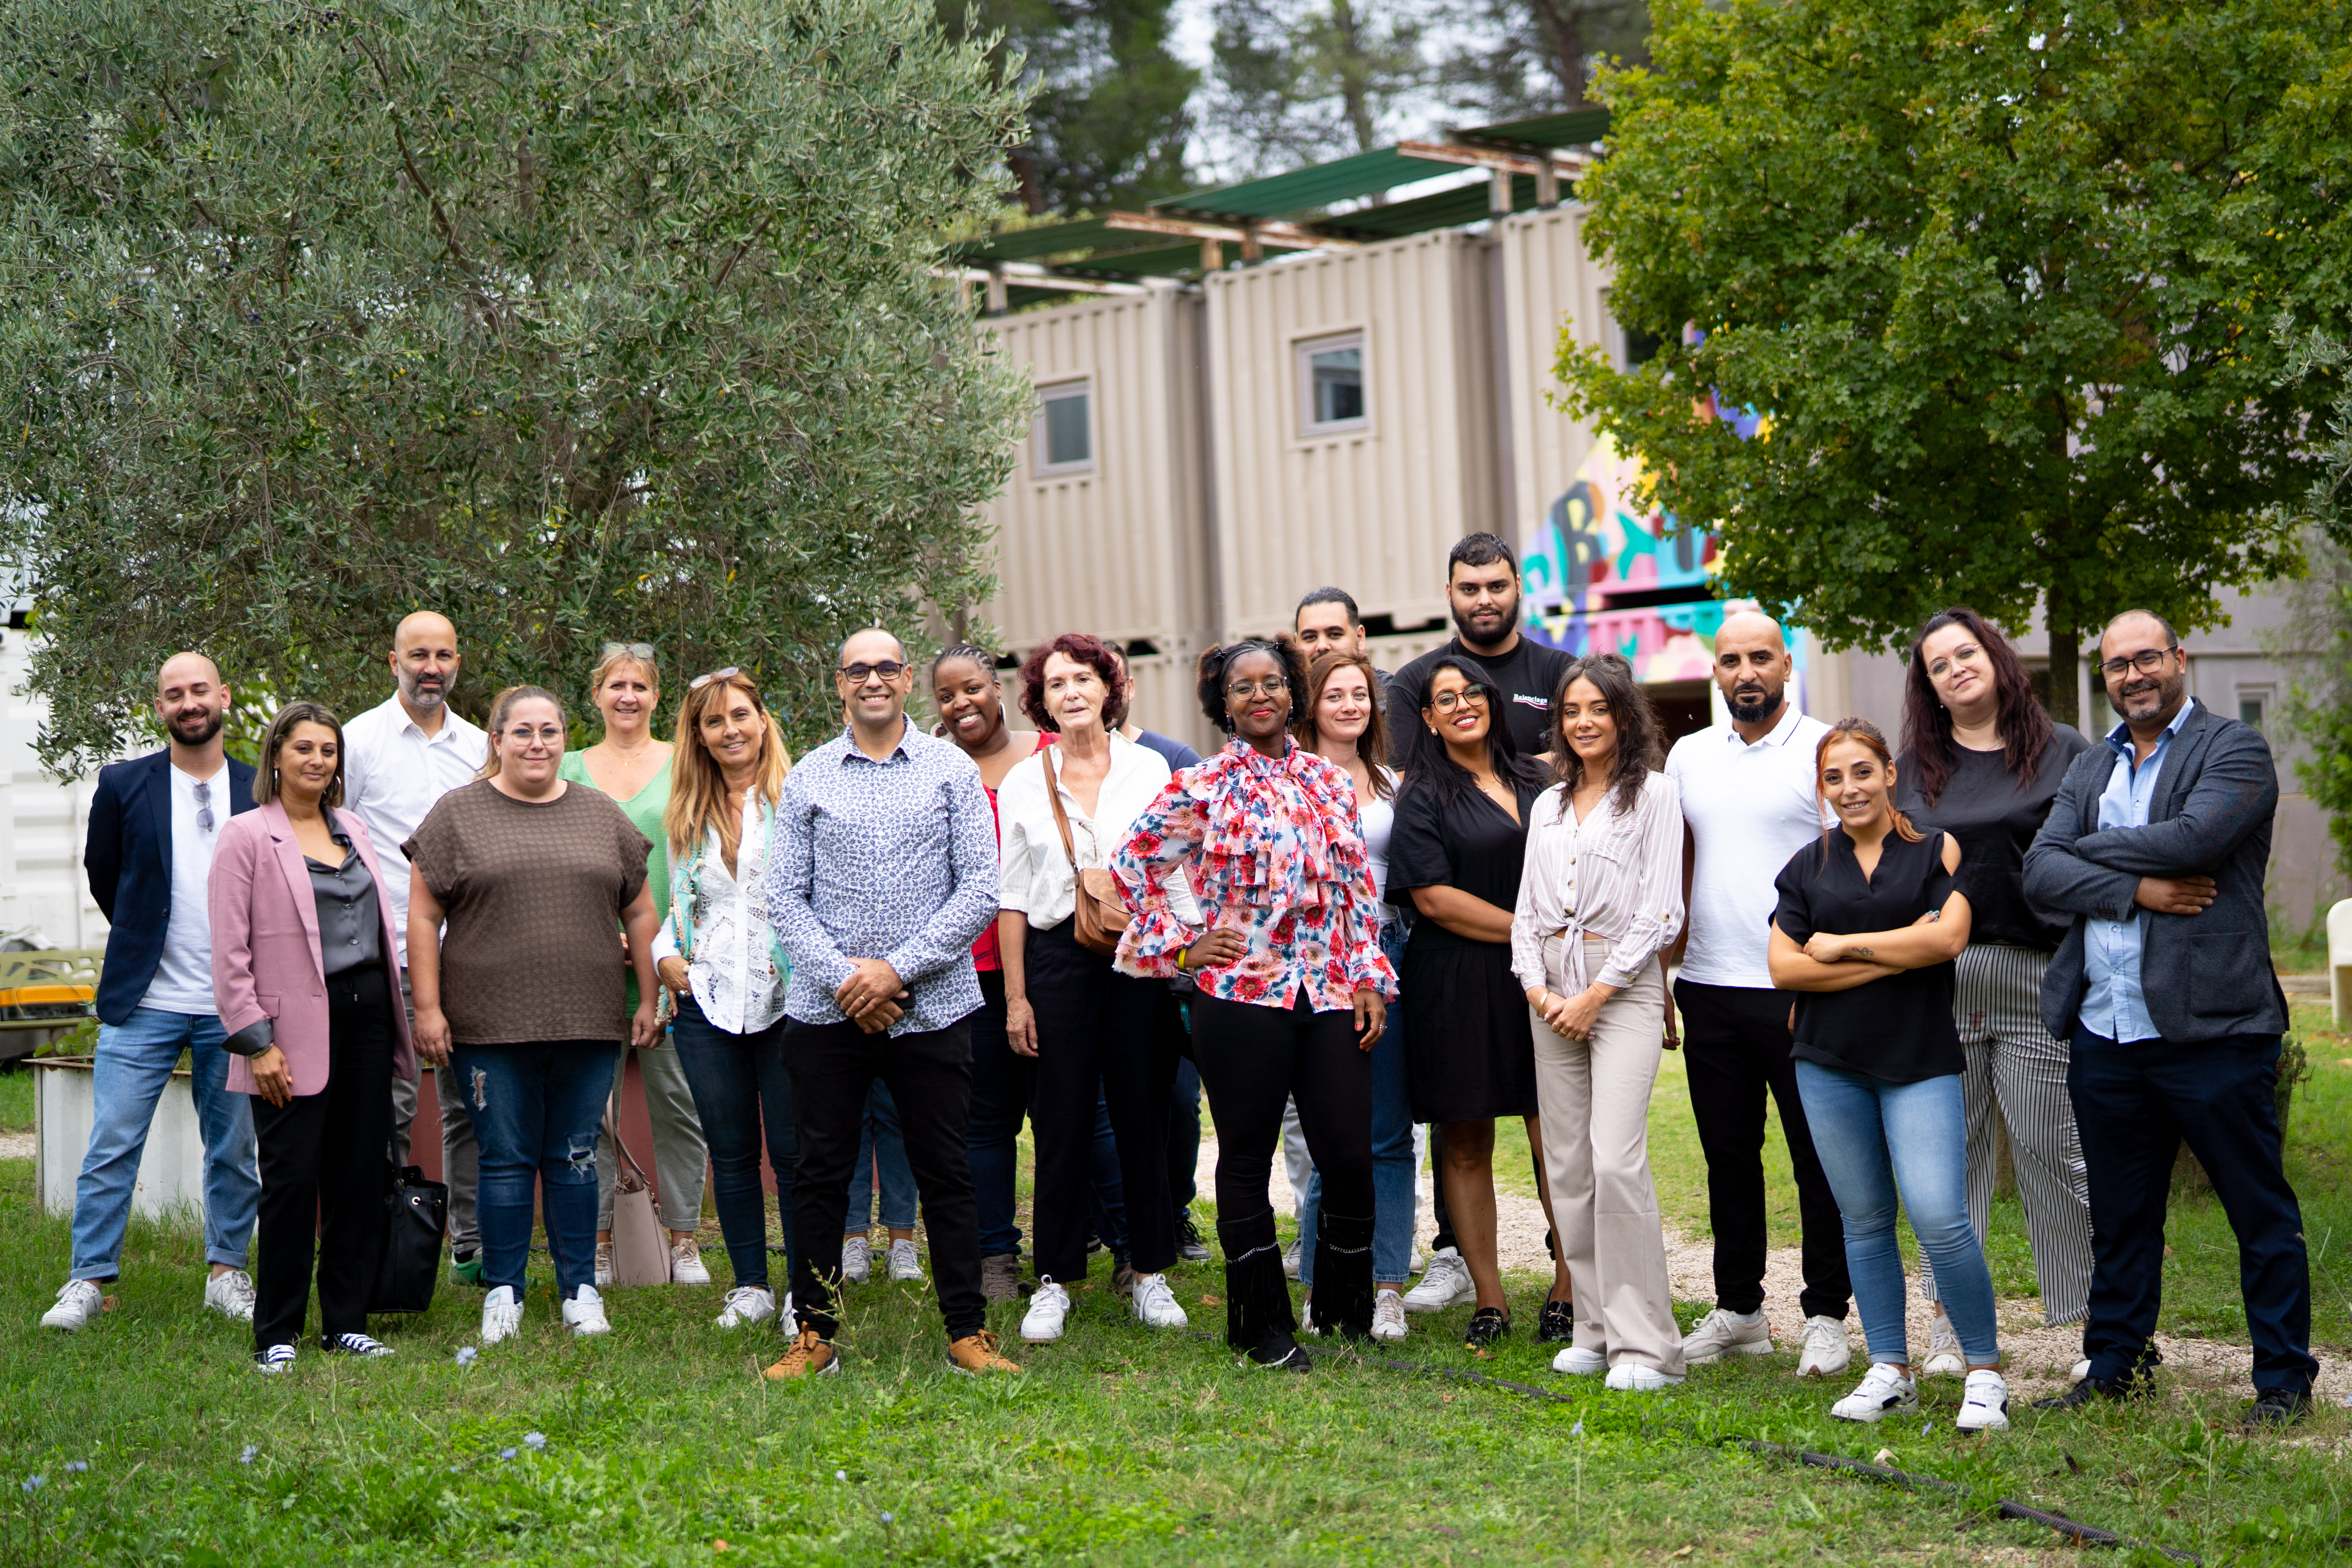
998 301
1498 192
1547 171
1548 185
1252 234
1212 254
1007 275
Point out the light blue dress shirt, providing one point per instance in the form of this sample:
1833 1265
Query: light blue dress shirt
2115 1006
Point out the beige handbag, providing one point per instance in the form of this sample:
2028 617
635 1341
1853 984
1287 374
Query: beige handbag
1100 915
640 1250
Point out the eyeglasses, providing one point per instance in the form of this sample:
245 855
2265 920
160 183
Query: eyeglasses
889 670
1272 686
1469 696
643 650
2147 661
1959 655
699 681
204 805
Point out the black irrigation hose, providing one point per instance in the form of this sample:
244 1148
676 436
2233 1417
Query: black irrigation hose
2076 1533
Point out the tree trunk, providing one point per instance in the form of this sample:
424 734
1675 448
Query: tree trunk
1355 72
1562 26
2065 670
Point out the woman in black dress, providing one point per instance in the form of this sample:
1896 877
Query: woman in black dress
1460 832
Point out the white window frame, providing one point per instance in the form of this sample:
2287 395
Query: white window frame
1039 438
1304 347
2262 692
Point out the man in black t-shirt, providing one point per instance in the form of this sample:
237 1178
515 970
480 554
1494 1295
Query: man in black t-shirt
1482 589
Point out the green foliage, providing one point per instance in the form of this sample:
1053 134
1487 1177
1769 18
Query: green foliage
2001 277
1515 58
574 319
2325 364
1314 79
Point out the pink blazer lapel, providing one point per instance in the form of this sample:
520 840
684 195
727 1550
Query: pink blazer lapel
297 879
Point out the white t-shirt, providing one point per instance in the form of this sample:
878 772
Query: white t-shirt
1035 876
1379 818
393 774
1748 809
184 976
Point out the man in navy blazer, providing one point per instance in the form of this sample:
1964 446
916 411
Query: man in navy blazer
2157 845
153 825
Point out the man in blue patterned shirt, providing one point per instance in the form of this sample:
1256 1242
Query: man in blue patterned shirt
882 874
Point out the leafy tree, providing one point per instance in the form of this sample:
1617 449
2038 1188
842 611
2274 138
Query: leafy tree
1313 79
2001 279
1515 58
1110 115
576 319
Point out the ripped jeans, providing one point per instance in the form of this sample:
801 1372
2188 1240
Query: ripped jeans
536 1108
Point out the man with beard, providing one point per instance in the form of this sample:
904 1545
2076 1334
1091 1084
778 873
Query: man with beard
1482 589
1749 803
2156 847
153 824
399 757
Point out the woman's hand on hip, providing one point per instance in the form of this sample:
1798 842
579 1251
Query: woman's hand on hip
672 971
272 1079
431 1035
1020 1026
1213 947
1371 1018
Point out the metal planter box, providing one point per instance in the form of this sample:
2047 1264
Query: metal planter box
171 1169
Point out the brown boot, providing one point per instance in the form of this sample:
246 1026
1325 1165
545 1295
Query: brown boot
1000 1277
976 1353
812 1355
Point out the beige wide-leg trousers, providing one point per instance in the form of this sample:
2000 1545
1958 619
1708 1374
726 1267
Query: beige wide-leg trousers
1594 1096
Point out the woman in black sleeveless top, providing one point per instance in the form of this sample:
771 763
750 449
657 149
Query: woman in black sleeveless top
1869 922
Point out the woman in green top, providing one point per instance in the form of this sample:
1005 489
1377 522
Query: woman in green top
633 768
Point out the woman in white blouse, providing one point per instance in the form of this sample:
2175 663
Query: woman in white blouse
1095 1033
1339 721
717 956
1600 902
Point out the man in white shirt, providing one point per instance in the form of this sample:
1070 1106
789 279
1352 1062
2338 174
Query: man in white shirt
153 824
1750 803
399 758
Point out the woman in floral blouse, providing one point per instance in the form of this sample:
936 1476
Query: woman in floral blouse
1293 986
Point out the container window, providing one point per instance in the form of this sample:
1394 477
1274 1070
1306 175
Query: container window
2253 707
1065 437
1331 384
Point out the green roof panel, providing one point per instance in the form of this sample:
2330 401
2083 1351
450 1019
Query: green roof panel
1573 129
1304 190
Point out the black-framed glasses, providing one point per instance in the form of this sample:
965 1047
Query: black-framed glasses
1272 686
699 681
643 650
859 674
1469 696
2147 661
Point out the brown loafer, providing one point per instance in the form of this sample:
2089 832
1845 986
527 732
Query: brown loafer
812 1355
975 1354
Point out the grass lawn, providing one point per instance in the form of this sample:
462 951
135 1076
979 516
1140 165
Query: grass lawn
1115 1447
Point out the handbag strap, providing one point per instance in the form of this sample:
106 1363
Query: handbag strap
620 1145
1061 817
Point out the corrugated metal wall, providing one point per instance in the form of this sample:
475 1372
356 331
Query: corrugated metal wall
1548 281
1372 510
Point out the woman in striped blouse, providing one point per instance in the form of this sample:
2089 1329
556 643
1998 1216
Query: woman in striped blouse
1599 901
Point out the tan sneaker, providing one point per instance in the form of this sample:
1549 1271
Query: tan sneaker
812 1355
976 1353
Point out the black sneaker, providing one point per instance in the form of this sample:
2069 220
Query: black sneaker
352 1344
2274 1408
1557 1324
1189 1244
2091 1390
1487 1324
1279 1353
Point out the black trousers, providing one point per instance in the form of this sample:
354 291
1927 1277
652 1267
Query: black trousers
1736 1048
1097 1039
2135 1104
1252 1059
929 1077
323 1173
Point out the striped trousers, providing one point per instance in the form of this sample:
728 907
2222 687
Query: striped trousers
2015 1068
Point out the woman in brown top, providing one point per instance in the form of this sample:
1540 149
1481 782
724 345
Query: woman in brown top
527 875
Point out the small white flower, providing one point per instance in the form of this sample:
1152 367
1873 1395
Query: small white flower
841 1475
1576 1430
506 1452
34 1483
76 1466
534 1441
890 1519
247 1457
466 1355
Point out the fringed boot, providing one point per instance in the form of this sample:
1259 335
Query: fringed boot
1259 1318
1343 1273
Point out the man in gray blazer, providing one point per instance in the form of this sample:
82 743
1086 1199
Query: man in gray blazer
2156 847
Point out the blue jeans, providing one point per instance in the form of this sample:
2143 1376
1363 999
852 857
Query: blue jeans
536 1110
1392 1161
741 1092
880 1145
1874 1138
135 1059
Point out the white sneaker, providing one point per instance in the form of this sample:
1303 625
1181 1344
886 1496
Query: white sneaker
79 1301
231 1295
1388 1316
856 1260
274 1361
1291 1261
1720 1334
1634 1378
1984 1405
1048 1308
685 1264
1944 1359
2081 1370
1827 1351
788 1322
1447 1284
1577 1363
747 1305
604 1265
904 1266
501 1315
1882 1389
584 1313
1155 1304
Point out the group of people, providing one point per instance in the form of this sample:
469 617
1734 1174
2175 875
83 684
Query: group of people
1480 887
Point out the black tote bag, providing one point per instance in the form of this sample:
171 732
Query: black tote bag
417 1217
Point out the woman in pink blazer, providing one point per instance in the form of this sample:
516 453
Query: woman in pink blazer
302 944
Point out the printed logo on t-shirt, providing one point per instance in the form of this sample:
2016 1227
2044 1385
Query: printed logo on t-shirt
1529 700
